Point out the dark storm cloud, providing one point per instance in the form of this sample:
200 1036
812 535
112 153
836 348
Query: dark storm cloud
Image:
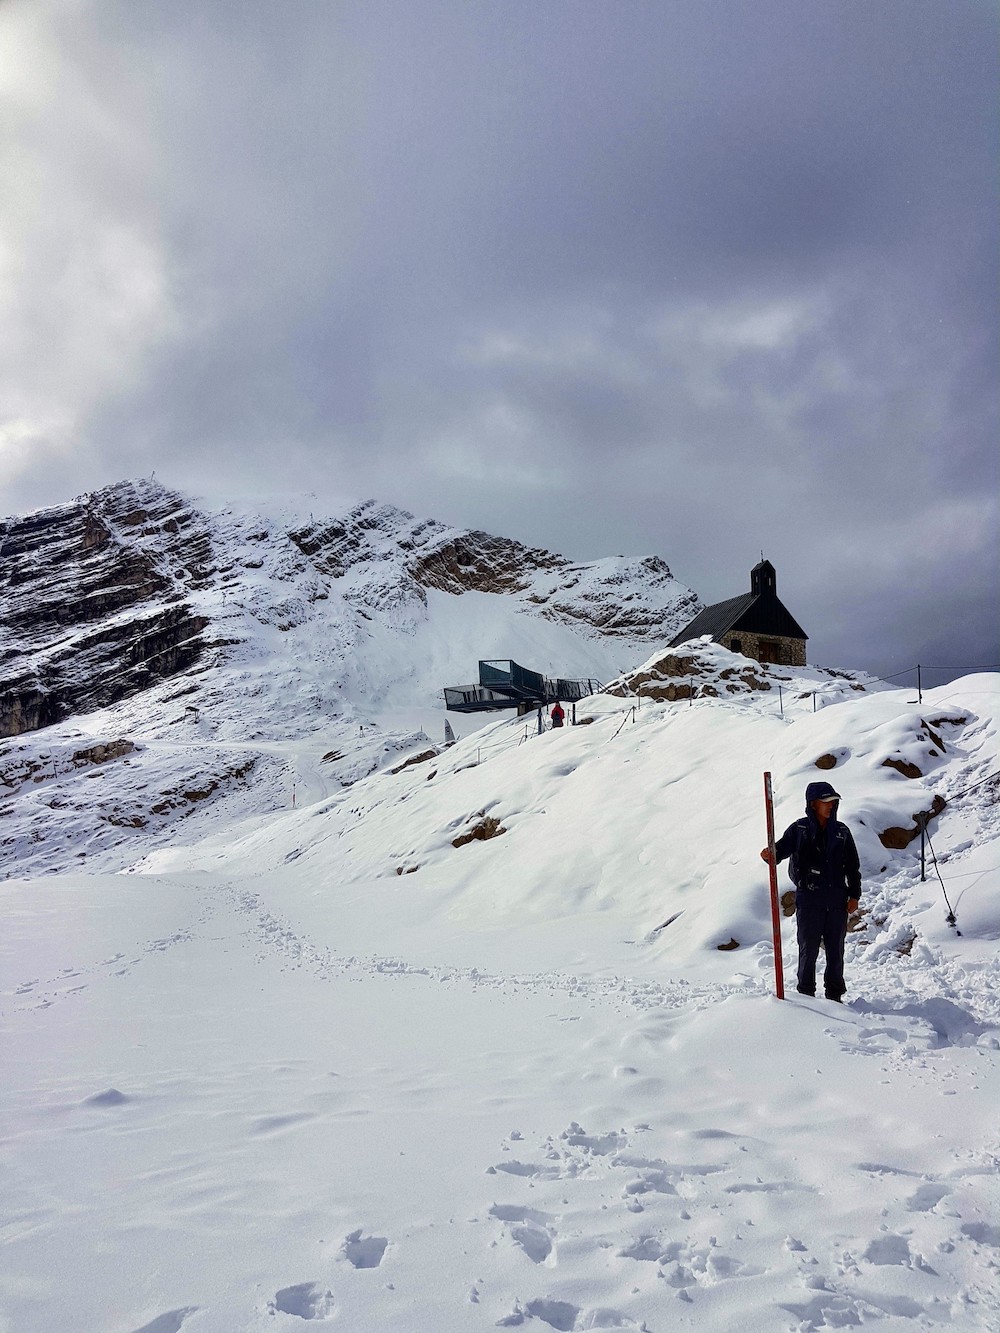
696 277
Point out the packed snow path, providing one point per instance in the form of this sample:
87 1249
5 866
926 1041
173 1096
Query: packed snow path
222 1115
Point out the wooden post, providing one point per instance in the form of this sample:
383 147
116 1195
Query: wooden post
779 975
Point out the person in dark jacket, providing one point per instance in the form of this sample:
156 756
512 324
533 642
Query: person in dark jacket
826 873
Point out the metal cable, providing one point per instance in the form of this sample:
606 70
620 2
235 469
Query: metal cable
950 918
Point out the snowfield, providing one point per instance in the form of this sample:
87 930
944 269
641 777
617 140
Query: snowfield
319 1064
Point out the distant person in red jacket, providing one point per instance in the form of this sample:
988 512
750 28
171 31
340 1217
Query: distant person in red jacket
557 714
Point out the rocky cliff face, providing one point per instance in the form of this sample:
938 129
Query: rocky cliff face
429 553
389 553
127 588
95 602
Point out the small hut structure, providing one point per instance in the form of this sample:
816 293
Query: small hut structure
756 624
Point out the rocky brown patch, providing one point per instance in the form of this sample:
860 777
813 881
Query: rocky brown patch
489 827
103 752
421 758
896 839
908 770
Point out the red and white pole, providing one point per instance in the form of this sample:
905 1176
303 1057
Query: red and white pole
779 976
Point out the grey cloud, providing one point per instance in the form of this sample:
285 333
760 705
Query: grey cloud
692 277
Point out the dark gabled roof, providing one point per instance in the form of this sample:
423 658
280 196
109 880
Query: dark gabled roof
753 613
715 620
766 615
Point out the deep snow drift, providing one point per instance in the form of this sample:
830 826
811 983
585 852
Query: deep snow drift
344 1063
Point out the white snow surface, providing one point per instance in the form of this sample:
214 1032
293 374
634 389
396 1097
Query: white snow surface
315 1063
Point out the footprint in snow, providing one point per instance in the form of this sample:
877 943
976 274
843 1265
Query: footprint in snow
364 1251
564 1317
983 1233
830 1309
889 1249
530 1170
598 1144
927 1197
306 1300
651 1249
169 1322
827 1310
529 1229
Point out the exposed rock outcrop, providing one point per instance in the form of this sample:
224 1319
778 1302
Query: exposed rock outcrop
94 602
680 674
896 838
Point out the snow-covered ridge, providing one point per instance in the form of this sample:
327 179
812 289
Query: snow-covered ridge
207 635
677 783
301 619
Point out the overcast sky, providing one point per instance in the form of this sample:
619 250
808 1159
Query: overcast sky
693 277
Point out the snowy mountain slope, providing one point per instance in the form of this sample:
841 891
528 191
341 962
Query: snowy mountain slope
138 588
205 636
644 812
267 1079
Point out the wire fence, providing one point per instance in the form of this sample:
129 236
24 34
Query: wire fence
515 733
925 838
920 668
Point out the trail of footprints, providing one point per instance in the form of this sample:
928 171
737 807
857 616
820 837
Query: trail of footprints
635 1184
41 993
275 936
600 1203
576 1155
314 1300
836 1291
303 1300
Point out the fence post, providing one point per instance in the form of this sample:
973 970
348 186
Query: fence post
779 972
781 705
540 727
920 693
